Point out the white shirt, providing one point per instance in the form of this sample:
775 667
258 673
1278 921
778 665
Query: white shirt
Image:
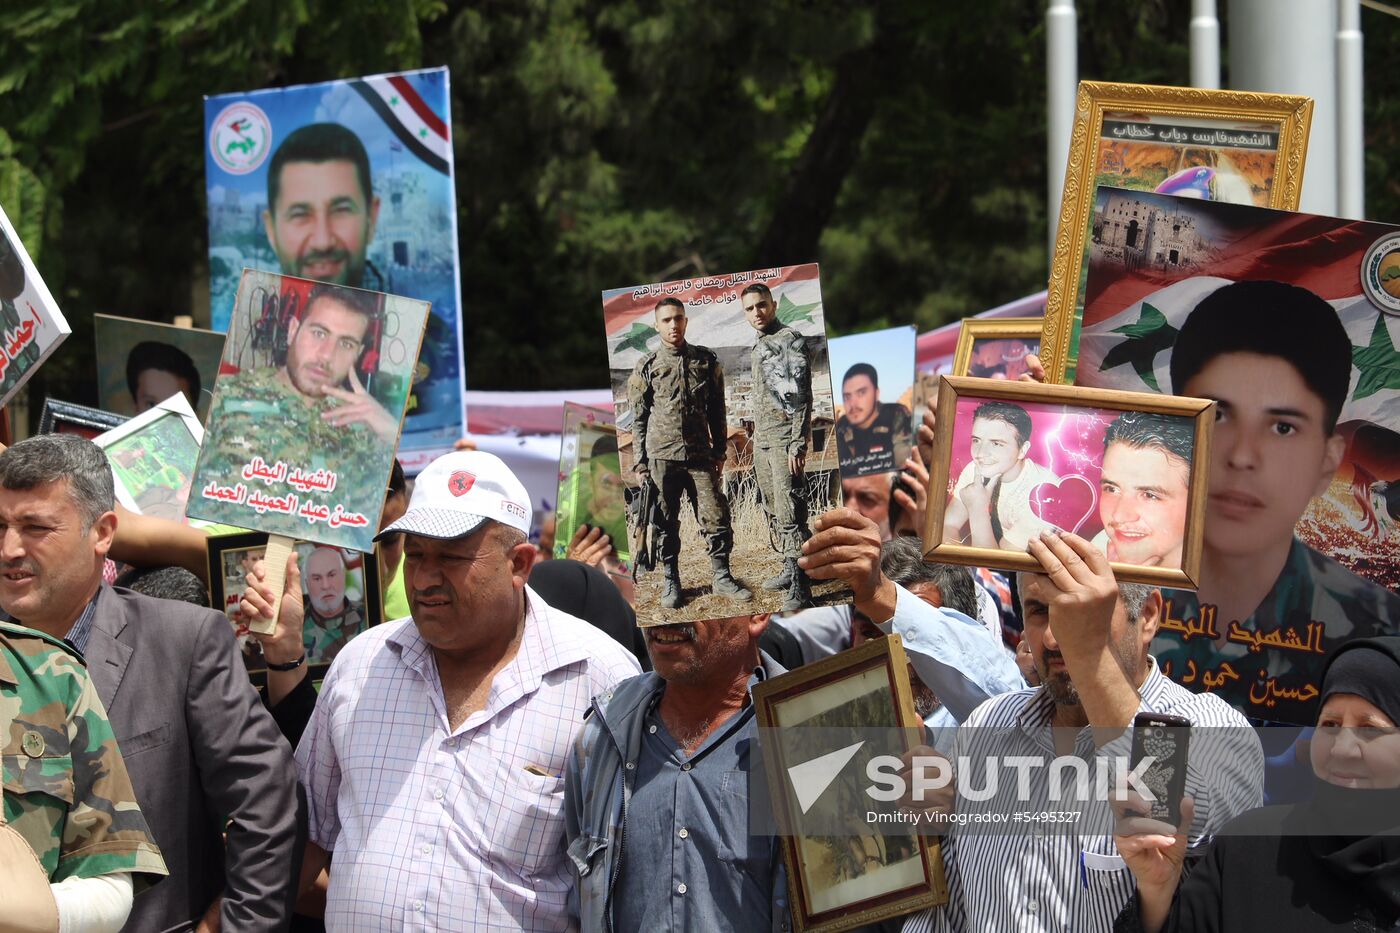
440 829
1018 523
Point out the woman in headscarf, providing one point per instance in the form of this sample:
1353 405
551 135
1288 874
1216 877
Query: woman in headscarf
1330 863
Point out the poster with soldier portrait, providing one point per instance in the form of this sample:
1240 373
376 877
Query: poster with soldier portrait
874 399
722 390
307 410
349 182
590 484
31 326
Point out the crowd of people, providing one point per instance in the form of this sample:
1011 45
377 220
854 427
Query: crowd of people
514 751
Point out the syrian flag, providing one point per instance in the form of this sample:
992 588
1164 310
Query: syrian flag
412 121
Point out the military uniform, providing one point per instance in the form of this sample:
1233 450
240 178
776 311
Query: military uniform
677 402
782 416
1311 588
880 447
255 414
577 507
326 636
66 789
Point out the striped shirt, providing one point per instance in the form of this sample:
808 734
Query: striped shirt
435 828
1029 878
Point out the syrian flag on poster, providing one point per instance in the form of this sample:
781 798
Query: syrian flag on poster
1132 316
412 121
31 326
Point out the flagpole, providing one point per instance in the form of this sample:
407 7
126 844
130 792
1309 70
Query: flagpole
1061 80
1351 136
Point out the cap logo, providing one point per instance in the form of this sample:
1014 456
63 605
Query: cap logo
460 482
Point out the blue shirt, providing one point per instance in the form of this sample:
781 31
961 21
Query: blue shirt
689 862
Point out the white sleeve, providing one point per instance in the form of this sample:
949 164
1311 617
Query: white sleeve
93 905
956 656
820 632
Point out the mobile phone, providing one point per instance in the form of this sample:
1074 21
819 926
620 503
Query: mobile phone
1165 739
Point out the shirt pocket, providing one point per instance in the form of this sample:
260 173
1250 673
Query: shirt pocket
42 788
144 741
750 853
525 830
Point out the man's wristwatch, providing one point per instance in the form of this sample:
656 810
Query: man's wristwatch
289 666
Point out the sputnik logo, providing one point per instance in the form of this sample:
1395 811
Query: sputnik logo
811 778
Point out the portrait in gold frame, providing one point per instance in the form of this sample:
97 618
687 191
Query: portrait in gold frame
977 332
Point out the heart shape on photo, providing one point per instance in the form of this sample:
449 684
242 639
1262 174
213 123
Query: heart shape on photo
1067 504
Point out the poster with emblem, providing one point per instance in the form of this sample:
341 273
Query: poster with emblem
874 400
307 410
1291 323
31 326
348 182
723 402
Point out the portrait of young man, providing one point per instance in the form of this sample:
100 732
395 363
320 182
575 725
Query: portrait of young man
1144 488
990 504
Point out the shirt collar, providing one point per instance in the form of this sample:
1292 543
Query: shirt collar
81 631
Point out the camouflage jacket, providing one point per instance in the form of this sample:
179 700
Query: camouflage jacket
782 390
254 414
677 402
1266 680
880 448
325 637
66 788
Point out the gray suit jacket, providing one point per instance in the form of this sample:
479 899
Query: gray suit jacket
203 753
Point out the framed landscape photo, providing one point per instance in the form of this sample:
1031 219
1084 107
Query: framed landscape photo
1235 146
996 348
71 418
844 869
153 457
341 595
1125 470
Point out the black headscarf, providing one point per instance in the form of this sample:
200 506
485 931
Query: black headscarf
586 592
1368 668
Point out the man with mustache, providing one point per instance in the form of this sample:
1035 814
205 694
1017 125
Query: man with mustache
433 764
321 209
330 619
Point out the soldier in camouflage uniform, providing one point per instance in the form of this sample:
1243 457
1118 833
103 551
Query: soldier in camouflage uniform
300 413
871 436
782 417
331 621
66 789
676 394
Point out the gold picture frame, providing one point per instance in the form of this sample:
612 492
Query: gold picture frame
955 389
835 685
1249 112
1005 328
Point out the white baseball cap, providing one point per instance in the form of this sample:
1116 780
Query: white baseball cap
459 491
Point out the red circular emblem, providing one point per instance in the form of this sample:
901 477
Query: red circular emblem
460 482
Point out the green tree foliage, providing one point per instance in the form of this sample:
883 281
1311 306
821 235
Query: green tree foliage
599 143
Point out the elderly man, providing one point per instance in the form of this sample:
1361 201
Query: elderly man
331 621
1089 636
434 762
212 775
663 763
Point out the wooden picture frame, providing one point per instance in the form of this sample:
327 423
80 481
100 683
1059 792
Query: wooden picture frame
71 418
1243 116
1049 509
221 548
785 705
975 329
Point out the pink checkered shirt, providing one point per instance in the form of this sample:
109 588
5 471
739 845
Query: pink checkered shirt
436 829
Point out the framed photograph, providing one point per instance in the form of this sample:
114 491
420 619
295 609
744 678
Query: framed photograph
874 426
307 410
377 152
153 457
31 326
996 348
82 420
1240 147
591 490
1292 322
1126 470
843 870
722 395
142 363
341 593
